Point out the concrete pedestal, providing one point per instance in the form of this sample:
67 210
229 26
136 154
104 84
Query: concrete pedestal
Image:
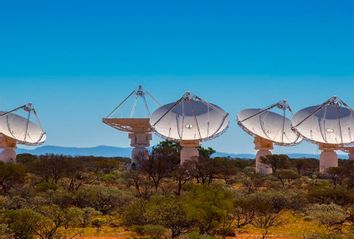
189 151
328 158
139 142
264 148
7 149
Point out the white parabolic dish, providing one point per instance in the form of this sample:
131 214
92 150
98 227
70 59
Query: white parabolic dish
21 129
269 125
329 123
189 118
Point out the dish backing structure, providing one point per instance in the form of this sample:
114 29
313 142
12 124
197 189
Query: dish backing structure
190 120
329 125
138 128
15 129
268 128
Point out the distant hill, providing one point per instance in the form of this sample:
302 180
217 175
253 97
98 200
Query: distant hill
111 151
99 151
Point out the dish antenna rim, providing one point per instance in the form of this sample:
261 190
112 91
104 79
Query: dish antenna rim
282 105
29 108
334 100
190 97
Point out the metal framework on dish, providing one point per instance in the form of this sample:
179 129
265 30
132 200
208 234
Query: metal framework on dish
138 129
15 129
190 120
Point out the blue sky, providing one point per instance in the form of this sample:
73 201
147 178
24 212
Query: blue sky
75 60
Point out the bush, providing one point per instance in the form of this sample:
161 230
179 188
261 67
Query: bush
23 223
209 207
168 212
5 232
196 235
152 231
101 198
326 195
134 213
331 216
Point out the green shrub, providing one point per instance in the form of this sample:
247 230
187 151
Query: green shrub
152 231
23 223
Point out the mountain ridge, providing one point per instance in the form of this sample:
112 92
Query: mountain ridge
113 151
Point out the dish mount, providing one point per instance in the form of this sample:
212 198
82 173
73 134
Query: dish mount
138 128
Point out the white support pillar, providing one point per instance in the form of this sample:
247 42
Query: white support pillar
189 150
328 157
264 148
7 149
139 142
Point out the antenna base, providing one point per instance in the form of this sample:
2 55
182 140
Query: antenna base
7 149
262 168
328 159
139 142
189 150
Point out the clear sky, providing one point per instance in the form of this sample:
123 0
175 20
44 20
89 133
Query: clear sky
75 60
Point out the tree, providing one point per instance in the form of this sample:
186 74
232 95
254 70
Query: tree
55 217
139 180
327 195
227 168
75 174
336 174
276 161
331 216
208 207
49 167
88 215
133 214
168 212
286 175
205 168
268 206
182 174
23 223
305 166
244 211
101 198
163 160
10 175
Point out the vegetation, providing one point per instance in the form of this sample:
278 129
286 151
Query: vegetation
57 197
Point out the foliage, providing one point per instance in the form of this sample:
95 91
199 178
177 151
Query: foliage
331 216
101 198
168 212
23 223
152 231
276 161
208 207
55 196
5 232
10 175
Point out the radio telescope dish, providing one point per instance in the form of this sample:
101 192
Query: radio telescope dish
15 129
269 125
189 120
137 127
268 128
127 121
330 125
